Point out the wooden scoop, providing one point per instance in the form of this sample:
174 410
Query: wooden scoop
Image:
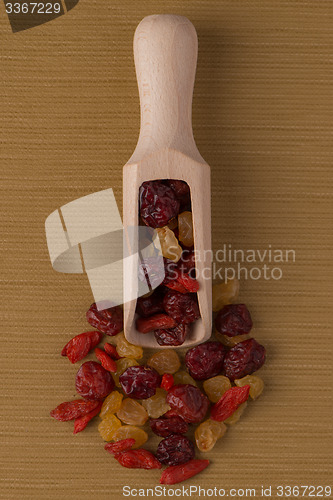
165 53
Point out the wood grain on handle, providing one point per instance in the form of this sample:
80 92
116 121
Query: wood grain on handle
165 53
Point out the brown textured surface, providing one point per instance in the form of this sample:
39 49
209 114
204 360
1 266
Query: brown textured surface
262 120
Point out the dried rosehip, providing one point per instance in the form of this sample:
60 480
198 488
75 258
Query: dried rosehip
81 422
205 360
111 351
183 308
158 204
93 381
233 319
229 403
243 359
167 381
108 363
166 426
108 321
123 445
172 336
79 346
146 325
140 382
138 459
73 409
148 306
189 401
178 473
174 450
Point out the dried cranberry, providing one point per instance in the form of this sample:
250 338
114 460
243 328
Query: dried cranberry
170 269
172 336
243 359
186 263
140 382
233 319
166 426
181 189
158 204
183 308
189 401
93 381
151 271
205 360
146 306
108 321
174 450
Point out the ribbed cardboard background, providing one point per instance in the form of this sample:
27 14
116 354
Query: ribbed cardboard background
262 118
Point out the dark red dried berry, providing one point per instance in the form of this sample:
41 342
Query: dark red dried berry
146 325
183 308
182 190
73 409
243 359
170 270
172 336
158 204
138 459
186 263
140 382
175 450
166 426
108 321
148 306
189 401
93 381
81 422
233 319
79 346
229 402
178 473
205 360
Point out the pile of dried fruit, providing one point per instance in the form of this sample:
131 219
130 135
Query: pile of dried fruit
169 311
125 394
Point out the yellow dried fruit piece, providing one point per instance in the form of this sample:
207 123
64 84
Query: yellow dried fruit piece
122 365
236 415
156 406
132 413
108 427
256 385
173 223
182 377
166 361
185 226
216 386
130 431
111 404
127 350
231 341
169 244
225 293
207 433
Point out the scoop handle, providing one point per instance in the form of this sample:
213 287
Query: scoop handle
165 53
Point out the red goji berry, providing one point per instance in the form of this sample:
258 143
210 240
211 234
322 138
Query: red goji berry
146 325
73 409
81 422
138 459
229 402
191 284
167 381
178 473
79 346
123 445
111 351
108 363
175 285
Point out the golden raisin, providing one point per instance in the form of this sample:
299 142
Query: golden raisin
111 404
156 405
236 415
130 431
173 223
166 361
225 293
185 226
127 350
231 341
169 244
132 413
207 433
256 385
108 427
216 386
182 377
122 365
